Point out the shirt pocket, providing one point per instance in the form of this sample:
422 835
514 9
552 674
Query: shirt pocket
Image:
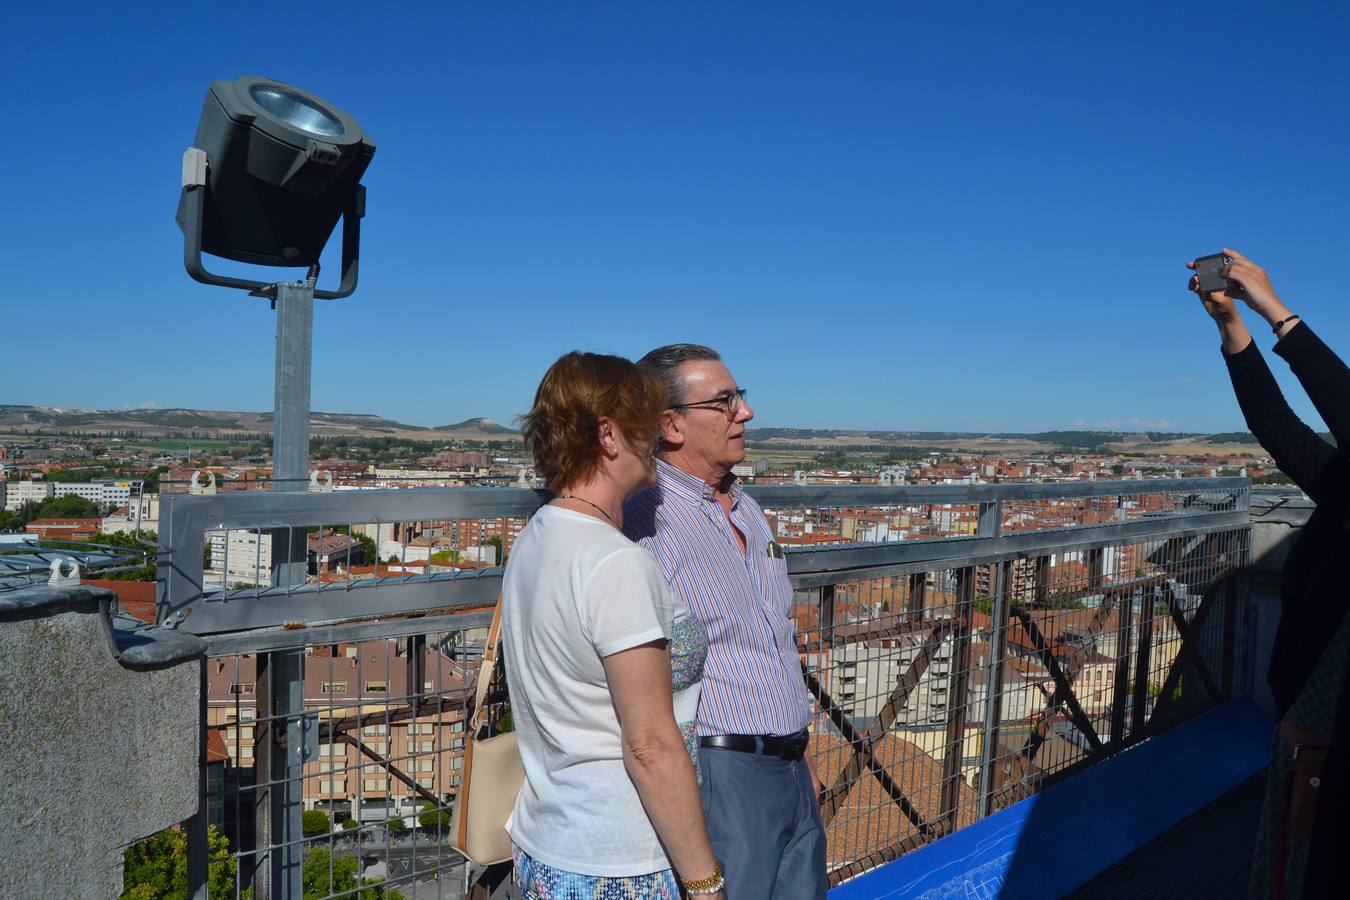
776 586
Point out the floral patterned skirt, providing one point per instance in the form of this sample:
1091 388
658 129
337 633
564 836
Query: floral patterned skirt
538 881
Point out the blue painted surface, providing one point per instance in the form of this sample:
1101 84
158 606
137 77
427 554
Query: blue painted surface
1058 839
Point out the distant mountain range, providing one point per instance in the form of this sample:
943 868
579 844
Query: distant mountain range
214 423
211 423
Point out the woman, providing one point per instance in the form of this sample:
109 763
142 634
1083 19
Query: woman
590 633
1306 786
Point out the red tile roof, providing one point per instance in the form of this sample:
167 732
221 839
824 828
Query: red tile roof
136 598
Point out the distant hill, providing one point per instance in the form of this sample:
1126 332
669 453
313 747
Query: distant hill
479 425
996 443
16 419
208 423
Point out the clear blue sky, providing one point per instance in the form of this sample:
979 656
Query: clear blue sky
885 215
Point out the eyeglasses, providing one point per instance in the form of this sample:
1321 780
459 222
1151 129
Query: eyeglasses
728 404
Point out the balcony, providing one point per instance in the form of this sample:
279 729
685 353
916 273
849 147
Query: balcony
306 739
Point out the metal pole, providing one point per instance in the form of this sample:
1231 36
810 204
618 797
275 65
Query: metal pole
280 805
993 709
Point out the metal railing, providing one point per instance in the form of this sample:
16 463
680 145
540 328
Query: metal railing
965 646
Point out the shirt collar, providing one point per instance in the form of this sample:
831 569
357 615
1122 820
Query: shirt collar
679 482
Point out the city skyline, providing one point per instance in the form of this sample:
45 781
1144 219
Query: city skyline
886 219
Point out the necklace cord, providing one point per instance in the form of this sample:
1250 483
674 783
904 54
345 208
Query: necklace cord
592 506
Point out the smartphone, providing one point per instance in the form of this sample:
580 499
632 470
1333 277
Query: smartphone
1212 274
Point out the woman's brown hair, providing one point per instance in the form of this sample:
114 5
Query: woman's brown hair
560 429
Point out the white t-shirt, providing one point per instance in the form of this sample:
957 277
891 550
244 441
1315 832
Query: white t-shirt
576 590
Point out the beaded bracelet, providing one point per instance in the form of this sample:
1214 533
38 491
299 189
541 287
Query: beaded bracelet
1283 322
706 886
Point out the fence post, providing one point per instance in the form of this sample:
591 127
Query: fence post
993 711
956 697
1139 711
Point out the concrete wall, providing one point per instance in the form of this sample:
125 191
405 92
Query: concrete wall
93 756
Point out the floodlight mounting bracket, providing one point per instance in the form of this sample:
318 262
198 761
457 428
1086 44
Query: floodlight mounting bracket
192 201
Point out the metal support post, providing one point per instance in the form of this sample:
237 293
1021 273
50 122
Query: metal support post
827 615
918 589
993 709
956 698
1139 703
1120 685
281 674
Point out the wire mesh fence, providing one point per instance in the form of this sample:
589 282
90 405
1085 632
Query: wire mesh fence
946 694
348 792
964 649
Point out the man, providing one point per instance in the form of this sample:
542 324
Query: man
759 790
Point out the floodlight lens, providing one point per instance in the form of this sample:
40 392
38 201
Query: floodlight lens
295 110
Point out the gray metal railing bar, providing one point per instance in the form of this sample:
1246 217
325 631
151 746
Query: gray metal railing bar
788 496
816 566
264 640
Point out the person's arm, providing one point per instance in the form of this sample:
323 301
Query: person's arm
1323 375
656 758
1296 448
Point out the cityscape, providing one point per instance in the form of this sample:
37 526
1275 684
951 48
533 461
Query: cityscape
398 704
1029 601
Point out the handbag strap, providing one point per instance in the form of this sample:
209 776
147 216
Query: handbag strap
491 656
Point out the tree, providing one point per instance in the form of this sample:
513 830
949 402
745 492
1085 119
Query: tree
314 822
128 541
68 507
396 826
323 875
433 818
156 868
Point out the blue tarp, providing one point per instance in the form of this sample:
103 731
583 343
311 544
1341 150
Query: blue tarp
1058 839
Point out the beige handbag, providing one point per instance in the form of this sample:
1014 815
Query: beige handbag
491 772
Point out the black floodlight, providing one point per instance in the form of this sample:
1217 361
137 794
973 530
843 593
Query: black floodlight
271 170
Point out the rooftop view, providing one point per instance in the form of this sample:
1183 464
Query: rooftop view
892 402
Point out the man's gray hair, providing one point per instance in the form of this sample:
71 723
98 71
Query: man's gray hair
666 361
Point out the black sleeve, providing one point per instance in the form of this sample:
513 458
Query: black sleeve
1323 376
1297 449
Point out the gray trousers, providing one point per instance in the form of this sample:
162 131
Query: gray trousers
764 824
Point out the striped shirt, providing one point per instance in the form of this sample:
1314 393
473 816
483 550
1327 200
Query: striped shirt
752 680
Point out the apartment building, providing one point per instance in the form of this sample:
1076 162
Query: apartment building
241 557
21 492
387 742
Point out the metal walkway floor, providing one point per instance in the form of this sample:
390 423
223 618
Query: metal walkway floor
1208 854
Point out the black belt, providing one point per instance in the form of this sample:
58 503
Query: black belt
789 747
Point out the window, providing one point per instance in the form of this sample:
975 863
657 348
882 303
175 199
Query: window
332 750
241 687
349 652
428 686
375 729
457 763
382 748
426 765
338 786
325 767
376 784
246 751
427 783
428 727
377 687
335 687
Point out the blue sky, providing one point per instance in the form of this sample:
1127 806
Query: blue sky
953 216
